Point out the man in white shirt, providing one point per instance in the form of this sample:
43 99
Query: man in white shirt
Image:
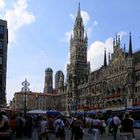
43 128
59 128
116 123
95 127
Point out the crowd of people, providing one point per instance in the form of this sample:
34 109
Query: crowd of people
23 126
113 123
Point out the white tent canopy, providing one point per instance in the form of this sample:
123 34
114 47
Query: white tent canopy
36 112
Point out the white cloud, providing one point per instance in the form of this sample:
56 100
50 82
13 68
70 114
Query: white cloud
68 36
95 23
43 53
96 52
85 17
90 28
72 16
2 7
122 33
68 62
17 16
2 4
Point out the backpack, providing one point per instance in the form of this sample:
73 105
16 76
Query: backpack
112 122
60 131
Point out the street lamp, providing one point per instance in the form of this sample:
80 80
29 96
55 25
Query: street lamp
25 89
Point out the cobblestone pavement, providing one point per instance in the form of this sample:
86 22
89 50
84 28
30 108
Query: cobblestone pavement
87 136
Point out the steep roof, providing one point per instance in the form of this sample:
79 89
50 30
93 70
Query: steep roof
136 57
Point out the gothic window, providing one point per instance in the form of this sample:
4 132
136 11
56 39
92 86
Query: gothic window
76 33
136 89
97 88
137 77
135 100
92 90
80 34
96 76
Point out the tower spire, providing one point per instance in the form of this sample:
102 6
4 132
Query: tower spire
79 27
109 58
105 63
119 41
116 40
130 45
79 11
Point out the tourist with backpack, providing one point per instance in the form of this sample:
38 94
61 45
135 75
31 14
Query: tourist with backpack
59 128
43 129
78 128
109 125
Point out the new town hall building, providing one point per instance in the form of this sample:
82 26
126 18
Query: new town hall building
115 85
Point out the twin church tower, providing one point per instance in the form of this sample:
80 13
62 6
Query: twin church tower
59 81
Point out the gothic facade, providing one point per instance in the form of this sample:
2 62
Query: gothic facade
115 85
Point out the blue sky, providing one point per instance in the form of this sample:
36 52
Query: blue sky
39 32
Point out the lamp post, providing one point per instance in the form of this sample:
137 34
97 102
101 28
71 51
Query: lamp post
25 89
